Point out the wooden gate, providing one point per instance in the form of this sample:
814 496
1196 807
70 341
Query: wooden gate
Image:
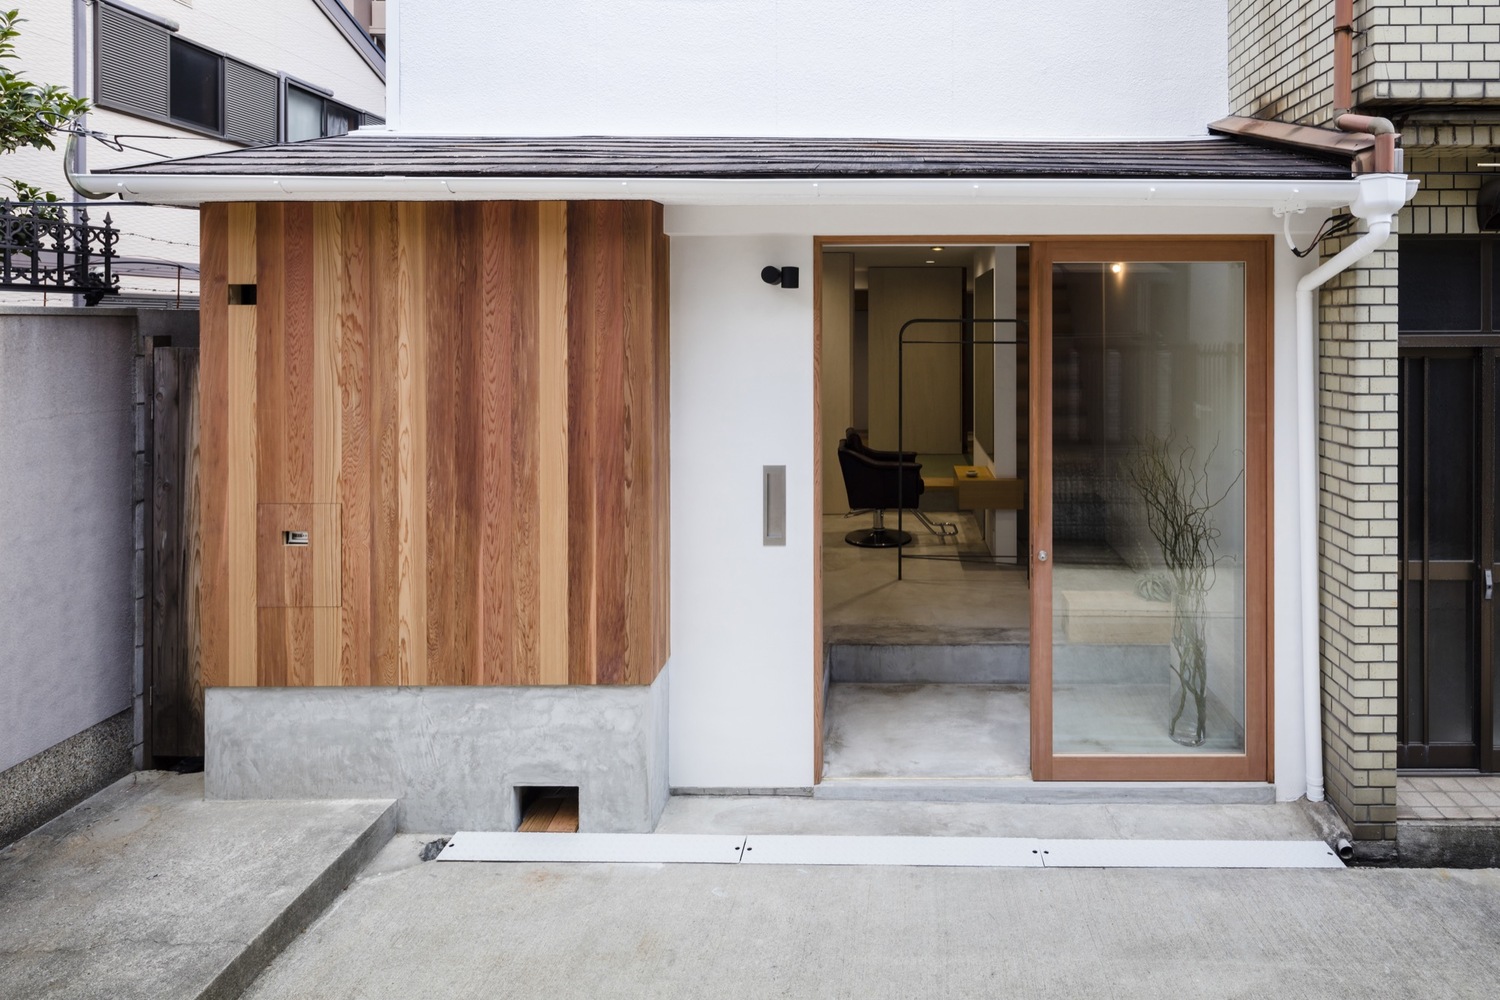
173 562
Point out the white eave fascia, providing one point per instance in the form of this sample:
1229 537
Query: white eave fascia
196 189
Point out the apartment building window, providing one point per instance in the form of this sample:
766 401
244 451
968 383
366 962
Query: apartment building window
144 68
195 86
313 116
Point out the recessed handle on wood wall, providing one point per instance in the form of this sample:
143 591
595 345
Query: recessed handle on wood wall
295 538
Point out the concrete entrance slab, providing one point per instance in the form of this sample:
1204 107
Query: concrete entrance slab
146 890
602 931
767 814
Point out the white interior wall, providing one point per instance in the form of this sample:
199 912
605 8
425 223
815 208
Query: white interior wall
742 381
834 67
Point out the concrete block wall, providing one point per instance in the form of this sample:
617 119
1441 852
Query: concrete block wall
1358 498
1426 50
1281 60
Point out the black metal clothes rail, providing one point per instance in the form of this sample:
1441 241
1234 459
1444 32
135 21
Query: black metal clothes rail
41 250
901 344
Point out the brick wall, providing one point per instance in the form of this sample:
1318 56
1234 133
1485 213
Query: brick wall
1358 498
1281 60
1427 50
1450 176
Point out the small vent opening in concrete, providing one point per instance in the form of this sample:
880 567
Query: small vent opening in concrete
547 809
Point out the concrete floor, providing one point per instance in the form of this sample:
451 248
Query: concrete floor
408 929
774 814
146 890
927 731
937 602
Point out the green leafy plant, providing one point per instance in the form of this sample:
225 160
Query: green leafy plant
1174 488
30 113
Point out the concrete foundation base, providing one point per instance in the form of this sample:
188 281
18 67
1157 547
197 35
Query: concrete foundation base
452 757
53 781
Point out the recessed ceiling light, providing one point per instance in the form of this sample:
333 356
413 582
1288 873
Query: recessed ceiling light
932 262
937 248
1117 268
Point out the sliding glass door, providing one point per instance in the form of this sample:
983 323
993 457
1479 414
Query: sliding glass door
1151 532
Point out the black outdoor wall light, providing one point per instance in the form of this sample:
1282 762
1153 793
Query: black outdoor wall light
786 277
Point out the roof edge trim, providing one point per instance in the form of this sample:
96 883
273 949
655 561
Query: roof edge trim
196 189
1332 144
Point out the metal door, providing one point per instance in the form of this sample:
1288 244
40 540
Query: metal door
1450 347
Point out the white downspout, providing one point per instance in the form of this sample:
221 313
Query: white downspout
1380 198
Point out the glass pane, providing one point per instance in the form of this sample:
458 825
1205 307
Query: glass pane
1413 666
1149 508
195 85
1450 458
1413 404
337 119
1450 662
304 115
1439 286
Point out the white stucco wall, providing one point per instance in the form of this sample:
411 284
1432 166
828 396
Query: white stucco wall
743 643
67 445
292 36
1064 68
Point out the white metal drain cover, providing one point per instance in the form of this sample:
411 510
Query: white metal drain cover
636 848
945 852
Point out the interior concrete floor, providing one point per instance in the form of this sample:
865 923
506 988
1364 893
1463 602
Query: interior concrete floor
927 731
937 601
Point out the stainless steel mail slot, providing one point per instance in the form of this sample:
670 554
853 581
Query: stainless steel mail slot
773 515
295 538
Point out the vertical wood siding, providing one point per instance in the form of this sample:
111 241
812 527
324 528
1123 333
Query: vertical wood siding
467 404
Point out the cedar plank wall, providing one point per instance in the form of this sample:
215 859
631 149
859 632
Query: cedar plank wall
466 406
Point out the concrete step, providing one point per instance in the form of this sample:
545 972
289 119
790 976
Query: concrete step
1028 792
147 890
967 663
993 662
1448 843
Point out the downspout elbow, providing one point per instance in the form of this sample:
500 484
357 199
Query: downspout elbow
83 184
1387 157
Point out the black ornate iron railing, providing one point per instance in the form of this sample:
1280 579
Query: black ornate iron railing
41 250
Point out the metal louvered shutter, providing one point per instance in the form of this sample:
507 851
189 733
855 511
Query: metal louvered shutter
366 119
133 60
250 104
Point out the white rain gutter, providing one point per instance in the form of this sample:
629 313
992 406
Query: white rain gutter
1380 198
195 189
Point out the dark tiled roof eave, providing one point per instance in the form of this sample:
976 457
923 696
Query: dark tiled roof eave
382 155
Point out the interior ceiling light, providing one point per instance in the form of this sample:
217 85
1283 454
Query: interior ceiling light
932 262
1116 268
938 249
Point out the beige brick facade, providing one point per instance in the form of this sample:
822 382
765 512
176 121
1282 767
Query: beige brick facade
1281 60
1358 407
1432 51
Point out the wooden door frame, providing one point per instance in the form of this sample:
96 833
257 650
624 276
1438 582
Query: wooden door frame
1255 763
1257 251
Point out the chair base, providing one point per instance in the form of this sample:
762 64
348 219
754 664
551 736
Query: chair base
878 538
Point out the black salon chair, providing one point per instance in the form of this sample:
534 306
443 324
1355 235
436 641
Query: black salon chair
877 481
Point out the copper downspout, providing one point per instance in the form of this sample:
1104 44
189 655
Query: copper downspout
1343 56
1385 159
